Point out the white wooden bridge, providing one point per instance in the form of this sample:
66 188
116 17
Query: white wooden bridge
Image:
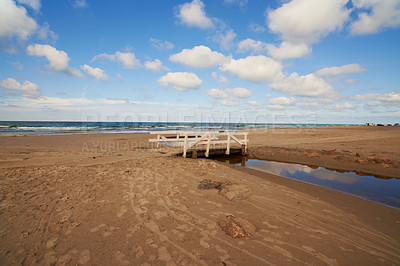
204 141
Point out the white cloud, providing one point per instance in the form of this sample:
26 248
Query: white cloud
225 40
80 4
306 21
161 45
254 103
44 33
250 45
193 15
339 107
239 92
288 50
232 94
58 60
14 21
95 72
27 89
345 69
256 27
62 101
309 85
217 93
381 14
220 78
373 104
282 101
254 68
126 59
276 107
386 97
199 57
34 4
155 65
229 102
181 81
119 77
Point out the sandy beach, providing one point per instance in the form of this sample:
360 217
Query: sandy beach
115 199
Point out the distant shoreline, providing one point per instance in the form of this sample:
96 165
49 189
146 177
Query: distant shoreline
29 128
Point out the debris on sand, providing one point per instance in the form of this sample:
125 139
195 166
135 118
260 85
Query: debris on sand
234 192
209 184
237 227
231 191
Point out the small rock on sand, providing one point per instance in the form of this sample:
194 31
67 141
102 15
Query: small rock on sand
237 227
209 184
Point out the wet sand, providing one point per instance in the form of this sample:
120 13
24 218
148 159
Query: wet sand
112 199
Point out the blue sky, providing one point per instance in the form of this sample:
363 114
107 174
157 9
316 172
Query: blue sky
313 61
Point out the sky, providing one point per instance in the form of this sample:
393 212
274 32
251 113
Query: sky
247 61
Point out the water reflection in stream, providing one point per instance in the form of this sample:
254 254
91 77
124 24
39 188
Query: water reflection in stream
379 189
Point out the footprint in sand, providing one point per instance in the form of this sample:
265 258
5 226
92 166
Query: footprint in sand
84 257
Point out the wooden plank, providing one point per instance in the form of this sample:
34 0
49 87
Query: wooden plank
184 147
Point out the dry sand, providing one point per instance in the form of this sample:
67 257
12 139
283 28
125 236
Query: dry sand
112 199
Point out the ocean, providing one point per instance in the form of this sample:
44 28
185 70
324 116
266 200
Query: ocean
21 128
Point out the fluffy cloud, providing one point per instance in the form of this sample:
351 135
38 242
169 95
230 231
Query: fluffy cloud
288 50
239 92
282 101
229 102
161 45
14 21
199 57
254 103
181 81
95 72
250 45
225 40
34 4
381 14
228 97
27 89
127 59
193 15
339 107
58 60
229 93
345 69
155 65
254 68
217 93
309 85
386 97
306 21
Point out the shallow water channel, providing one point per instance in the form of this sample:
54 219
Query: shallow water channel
384 190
